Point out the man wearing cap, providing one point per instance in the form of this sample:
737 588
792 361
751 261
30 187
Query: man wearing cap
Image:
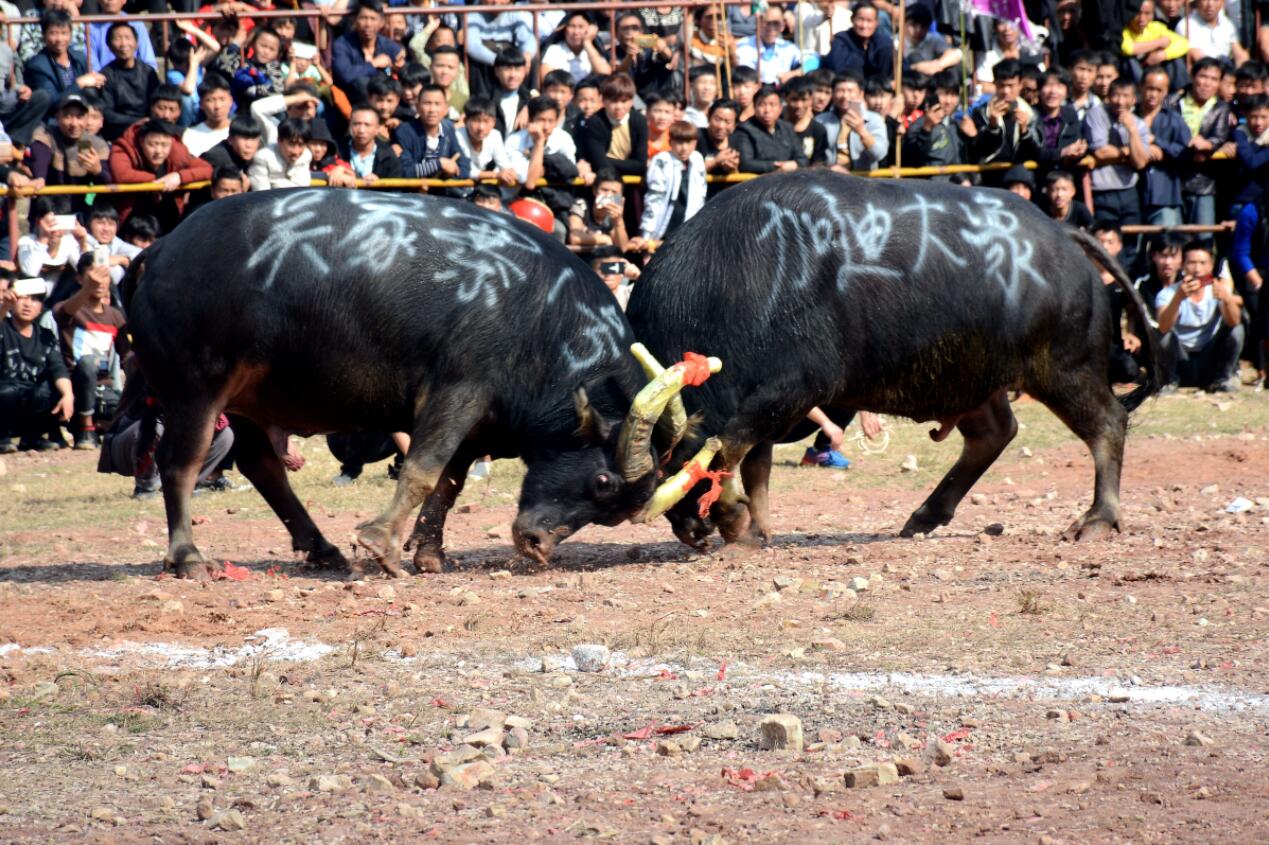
158 158
35 386
66 153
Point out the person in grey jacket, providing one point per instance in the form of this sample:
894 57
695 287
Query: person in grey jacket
856 135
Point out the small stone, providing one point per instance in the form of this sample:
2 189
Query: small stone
240 764
210 782
940 753
379 785
906 740
829 736
330 783
668 748
204 809
590 657
407 649
484 717
720 730
43 690
828 644
880 774
280 779
516 738
909 463
1118 695
781 731
449 759
690 744
994 530
518 722
468 775
489 736
1058 715
1196 738
274 595
561 681
386 592
859 583
102 814
228 820
909 766
172 606
427 780
954 793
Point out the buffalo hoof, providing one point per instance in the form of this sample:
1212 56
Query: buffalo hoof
922 523
733 523
326 557
740 549
1090 528
379 542
430 559
194 569
363 567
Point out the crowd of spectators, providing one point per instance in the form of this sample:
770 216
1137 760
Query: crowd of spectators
1144 111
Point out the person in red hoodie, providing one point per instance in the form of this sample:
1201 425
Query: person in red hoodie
164 105
158 156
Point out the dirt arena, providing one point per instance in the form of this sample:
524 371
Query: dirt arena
1024 689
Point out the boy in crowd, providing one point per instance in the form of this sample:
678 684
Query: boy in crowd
429 144
1118 139
1003 122
261 75
487 197
286 163
542 150
1083 74
714 142
767 143
160 157
618 273
1059 189
879 98
800 114
92 333
35 387
216 104
596 220
240 148
1058 124
228 181
1200 318
510 96
744 84
676 184
140 230
936 139
66 153
447 72
369 157
559 85
481 143
383 94
854 135
1210 123
103 231
1107 72
704 92
1018 180
616 136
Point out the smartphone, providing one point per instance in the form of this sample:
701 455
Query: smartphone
613 268
1204 281
63 223
857 108
30 287
83 145
101 256
647 42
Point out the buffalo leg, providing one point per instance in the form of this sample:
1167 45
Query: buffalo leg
187 434
731 513
987 430
260 463
1090 409
755 471
429 530
438 431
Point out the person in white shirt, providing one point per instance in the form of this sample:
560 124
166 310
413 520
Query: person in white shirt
53 246
284 164
576 51
676 184
528 149
1200 318
481 143
704 81
1211 33
780 60
216 102
103 230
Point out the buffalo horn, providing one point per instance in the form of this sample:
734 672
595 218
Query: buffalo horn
634 455
671 491
673 423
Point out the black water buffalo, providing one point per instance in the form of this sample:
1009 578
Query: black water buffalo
921 300
316 311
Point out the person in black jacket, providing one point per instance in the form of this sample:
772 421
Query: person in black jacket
129 83
369 157
1060 131
863 48
767 143
246 135
616 136
35 385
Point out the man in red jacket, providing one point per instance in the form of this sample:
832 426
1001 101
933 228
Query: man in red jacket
159 156
164 105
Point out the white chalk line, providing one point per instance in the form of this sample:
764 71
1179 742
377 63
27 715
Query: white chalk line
276 644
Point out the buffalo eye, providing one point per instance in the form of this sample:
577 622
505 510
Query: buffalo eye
606 484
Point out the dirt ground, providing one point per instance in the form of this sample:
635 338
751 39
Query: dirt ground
1032 690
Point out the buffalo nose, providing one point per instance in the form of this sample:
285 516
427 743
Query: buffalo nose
537 543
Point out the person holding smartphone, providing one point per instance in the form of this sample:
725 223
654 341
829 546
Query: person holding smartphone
35 387
1200 318
66 153
618 273
855 136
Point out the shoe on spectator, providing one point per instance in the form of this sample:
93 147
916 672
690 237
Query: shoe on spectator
1168 389
480 470
342 480
142 494
219 485
1229 385
87 440
7 446
829 458
46 445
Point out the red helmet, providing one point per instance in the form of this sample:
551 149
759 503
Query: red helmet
534 212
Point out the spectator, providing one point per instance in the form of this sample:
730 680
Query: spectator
744 84
350 66
597 219
616 136
228 181
800 115
130 446
1029 85
916 87
925 51
65 153
854 135
22 108
487 197
325 157
306 64
1060 130
1007 43
1018 180
286 162
714 142
1250 262
1200 318
1165 266
559 86
864 49
510 94
879 97
781 60
489 36
655 67
1072 38
1118 140
129 83
1003 123
542 150
660 112
1168 147
483 145
937 140
1249 81
1210 122
616 272
369 157
140 230
676 184
216 104
711 47
1107 72
1252 143
767 143
165 105
429 144
704 83
92 334
262 74
384 95
586 98
103 231
35 387
299 101
31 36
57 68
447 72
52 248
1212 35
821 89
159 156
575 50
237 151
1149 43
1059 189
98 35
1083 74
814 25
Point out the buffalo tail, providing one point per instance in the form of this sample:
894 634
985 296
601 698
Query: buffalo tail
1151 340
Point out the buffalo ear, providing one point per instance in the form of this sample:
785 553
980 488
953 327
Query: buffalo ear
591 425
